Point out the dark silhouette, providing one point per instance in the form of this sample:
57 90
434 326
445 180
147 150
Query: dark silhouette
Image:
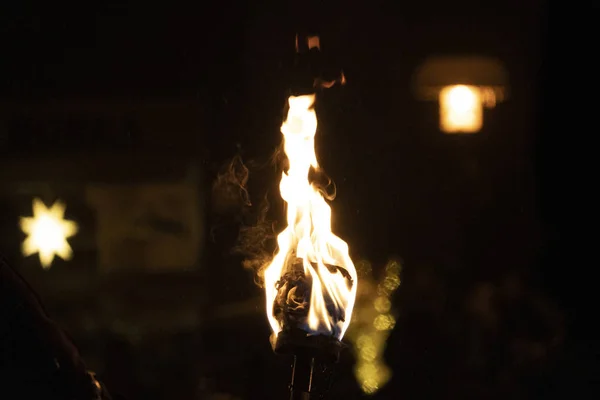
37 359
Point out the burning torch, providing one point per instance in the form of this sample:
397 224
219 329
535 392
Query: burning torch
311 281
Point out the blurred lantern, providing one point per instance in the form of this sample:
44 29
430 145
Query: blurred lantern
463 86
47 232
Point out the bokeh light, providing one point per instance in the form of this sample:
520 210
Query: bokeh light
372 325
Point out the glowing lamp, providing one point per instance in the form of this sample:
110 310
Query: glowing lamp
47 232
464 87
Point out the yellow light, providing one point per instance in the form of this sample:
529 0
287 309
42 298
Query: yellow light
376 322
368 350
461 109
382 304
393 268
47 232
391 283
364 341
384 322
372 376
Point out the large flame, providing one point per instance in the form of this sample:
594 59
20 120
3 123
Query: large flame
321 258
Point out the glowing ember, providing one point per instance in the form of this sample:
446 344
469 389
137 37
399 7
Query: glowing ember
47 232
311 282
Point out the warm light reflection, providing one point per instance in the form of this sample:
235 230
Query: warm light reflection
382 304
311 260
374 323
384 322
461 109
47 232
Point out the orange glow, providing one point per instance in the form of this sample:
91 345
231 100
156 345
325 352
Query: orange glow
307 243
461 109
314 42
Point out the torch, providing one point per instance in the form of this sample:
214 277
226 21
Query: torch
311 282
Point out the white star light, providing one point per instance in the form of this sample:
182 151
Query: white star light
47 232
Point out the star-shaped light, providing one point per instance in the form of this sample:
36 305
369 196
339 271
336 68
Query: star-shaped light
47 232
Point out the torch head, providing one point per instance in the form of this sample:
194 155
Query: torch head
312 70
314 357
296 342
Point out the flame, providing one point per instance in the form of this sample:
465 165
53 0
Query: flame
312 270
47 232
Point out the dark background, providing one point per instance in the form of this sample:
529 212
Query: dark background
488 302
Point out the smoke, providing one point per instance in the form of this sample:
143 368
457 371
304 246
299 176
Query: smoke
233 203
229 191
258 220
256 241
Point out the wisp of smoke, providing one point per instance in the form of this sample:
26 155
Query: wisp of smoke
257 236
231 200
256 241
229 191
